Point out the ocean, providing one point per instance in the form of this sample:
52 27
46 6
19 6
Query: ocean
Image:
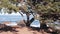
10 18
16 18
13 17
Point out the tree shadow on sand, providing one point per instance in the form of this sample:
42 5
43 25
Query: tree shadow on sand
7 28
43 30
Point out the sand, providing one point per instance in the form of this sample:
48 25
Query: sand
23 30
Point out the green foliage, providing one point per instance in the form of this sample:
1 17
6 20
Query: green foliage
7 4
11 7
4 3
47 8
13 1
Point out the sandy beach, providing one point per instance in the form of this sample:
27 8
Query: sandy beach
23 30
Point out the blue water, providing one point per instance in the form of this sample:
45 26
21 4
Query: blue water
16 18
11 18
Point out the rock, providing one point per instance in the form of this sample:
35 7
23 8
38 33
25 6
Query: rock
21 23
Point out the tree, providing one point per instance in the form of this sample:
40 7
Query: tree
49 8
8 4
